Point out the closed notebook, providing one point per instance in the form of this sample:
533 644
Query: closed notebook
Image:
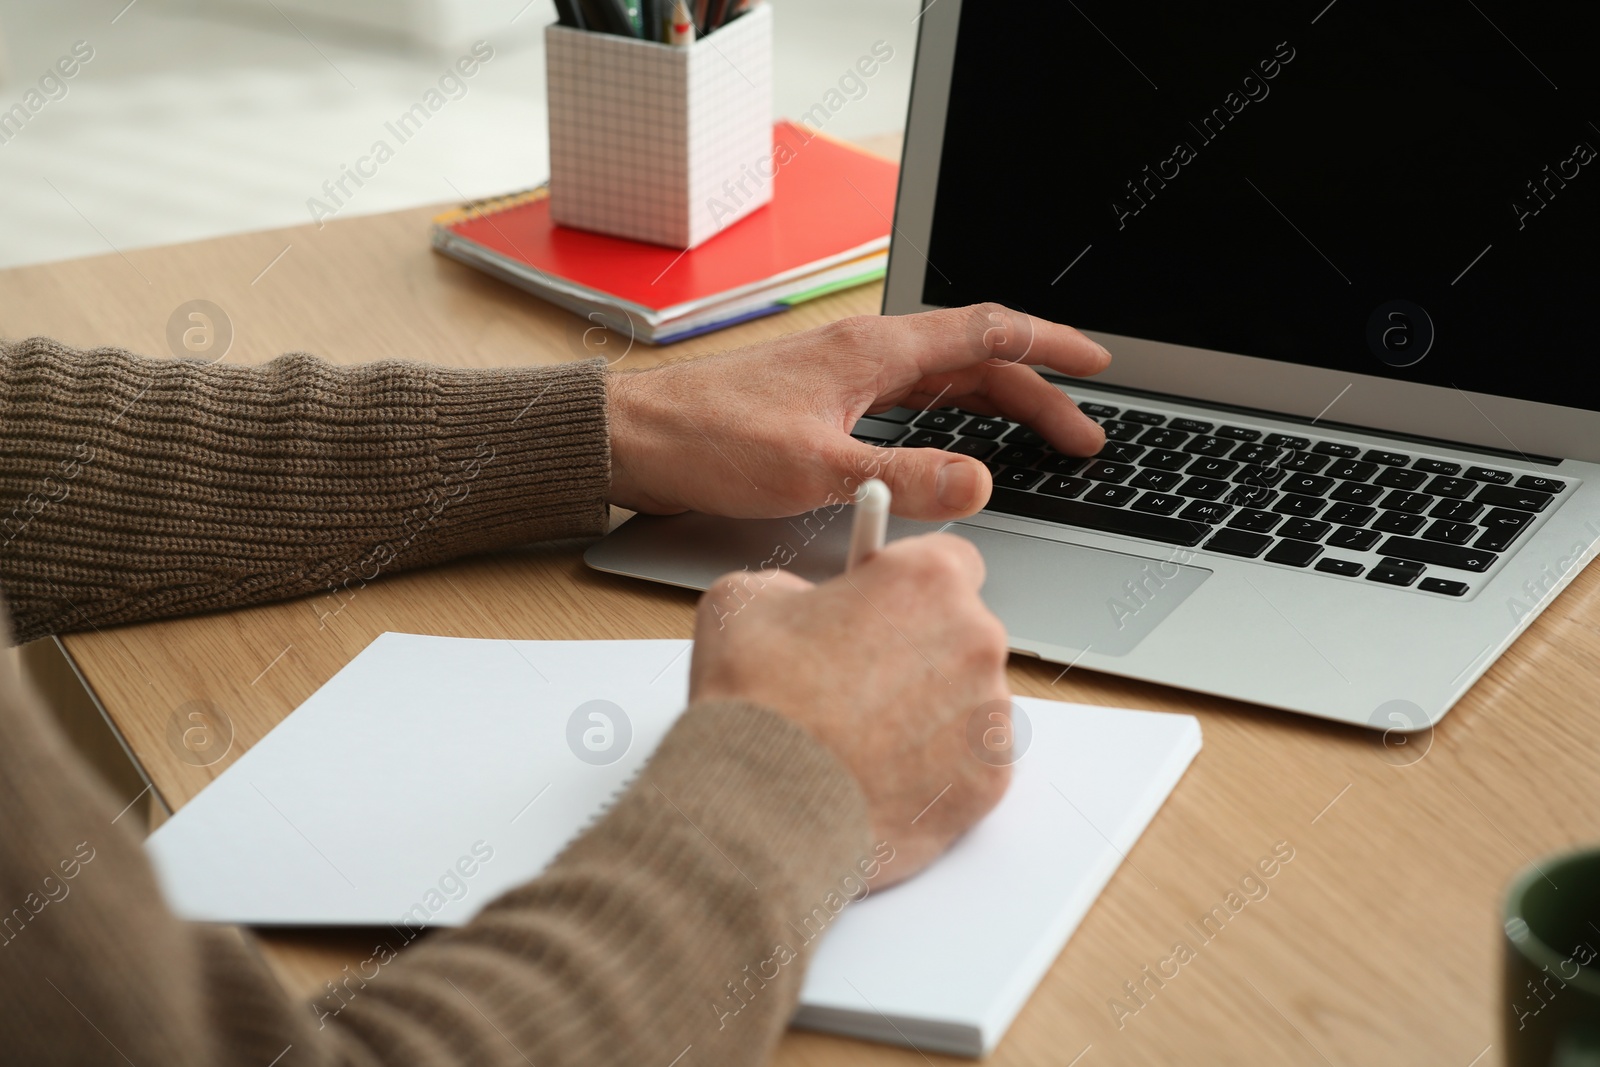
827 227
427 757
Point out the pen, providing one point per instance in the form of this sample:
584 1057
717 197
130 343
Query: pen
871 523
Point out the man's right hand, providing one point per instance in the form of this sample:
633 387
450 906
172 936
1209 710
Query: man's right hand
885 666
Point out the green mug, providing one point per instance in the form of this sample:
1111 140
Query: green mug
1552 968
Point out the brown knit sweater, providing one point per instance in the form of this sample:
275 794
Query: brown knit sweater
134 488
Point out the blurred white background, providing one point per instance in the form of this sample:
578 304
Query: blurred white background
196 118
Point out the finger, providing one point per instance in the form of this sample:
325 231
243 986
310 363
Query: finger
950 339
924 483
731 593
935 558
1021 395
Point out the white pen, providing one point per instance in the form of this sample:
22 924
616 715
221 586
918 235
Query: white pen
871 522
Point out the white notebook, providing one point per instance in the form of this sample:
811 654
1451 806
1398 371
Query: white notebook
428 757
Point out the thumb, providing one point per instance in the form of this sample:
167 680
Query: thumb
926 483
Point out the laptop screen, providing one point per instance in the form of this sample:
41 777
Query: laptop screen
1409 190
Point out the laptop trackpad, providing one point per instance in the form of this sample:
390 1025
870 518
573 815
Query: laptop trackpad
1076 596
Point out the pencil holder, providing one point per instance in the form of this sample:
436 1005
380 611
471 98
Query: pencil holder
662 143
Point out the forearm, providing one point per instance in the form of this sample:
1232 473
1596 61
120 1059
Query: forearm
658 929
136 488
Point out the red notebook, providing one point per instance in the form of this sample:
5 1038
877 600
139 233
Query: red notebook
831 205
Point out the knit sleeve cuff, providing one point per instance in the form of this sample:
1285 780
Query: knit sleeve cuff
523 454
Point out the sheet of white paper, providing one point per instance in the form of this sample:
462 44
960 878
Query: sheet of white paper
433 773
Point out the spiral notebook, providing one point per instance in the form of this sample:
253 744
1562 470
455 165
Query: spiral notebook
433 773
826 228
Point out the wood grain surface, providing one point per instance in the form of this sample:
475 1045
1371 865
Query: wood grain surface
1377 943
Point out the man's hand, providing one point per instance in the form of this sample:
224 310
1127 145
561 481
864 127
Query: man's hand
886 666
764 431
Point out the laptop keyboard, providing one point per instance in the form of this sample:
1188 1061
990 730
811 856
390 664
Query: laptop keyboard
1330 507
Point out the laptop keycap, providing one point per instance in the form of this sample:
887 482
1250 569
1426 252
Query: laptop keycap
1454 488
1262 454
1395 478
1111 495
1400 500
1303 506
1284 440
1056 463
1307 484
1462 559
1099 411
1336 448
1203 488
1018 478
1189 425
1158 503
1255 474
1063 485
1093 517
976 447
1117 430
1304 462
878 430
1166 459
1205 511
985 427
1257 521
1501 527
1503 496
1026 437
1305 529
1120 452
1294 553
1162 437
1442 585
1354 539
1436 466
1451 533
1209 446
945 421
1543 485
928 439
1104 471
1457 510
1160 481
1148 418
1239 433
1399 522
1206 467
1349 568
1357 492
1018 456
1239 543
1252 496
1488 474
1395 572
1353 470
1388 459
1349 514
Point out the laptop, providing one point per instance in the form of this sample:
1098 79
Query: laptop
1343 254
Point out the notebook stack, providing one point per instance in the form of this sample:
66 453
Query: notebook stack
827 228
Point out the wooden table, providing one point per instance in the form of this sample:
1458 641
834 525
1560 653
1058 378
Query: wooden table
1378 942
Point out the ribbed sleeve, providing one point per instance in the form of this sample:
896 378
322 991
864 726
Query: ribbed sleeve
676 930
136 488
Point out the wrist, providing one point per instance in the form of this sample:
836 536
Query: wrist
624 427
